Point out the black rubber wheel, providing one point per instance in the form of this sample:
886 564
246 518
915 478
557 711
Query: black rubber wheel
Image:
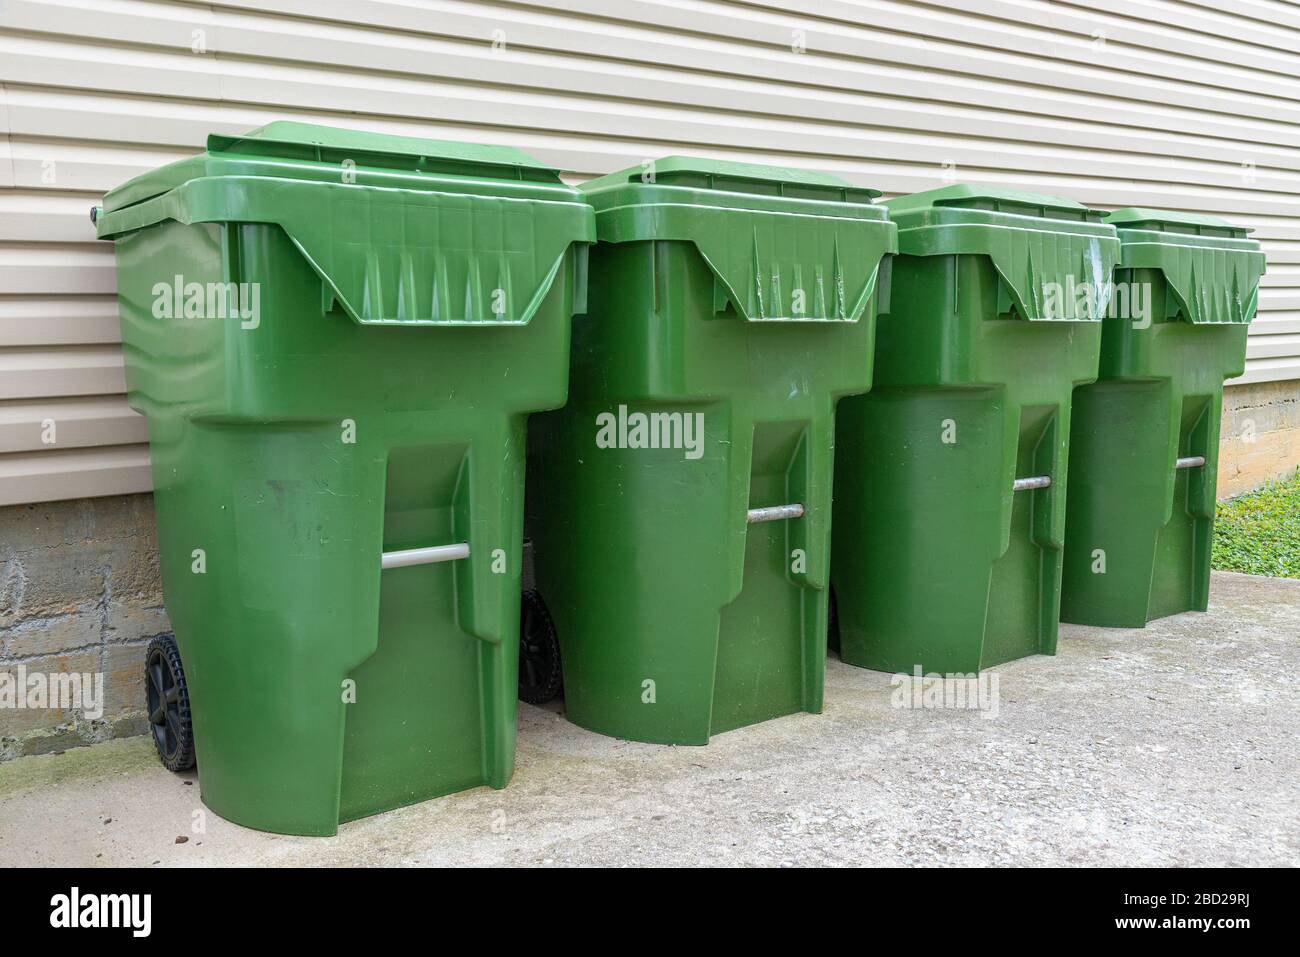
832 622
540 676
168 699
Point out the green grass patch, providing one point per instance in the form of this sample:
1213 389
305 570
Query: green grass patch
1259 532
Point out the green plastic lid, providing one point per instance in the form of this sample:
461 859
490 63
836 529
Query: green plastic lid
1038 244
723 176
784 245
1211 267
401 231
994 199
306 151
1167 221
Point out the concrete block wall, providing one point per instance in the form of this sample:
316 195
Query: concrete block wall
80 589
79 594
1260 436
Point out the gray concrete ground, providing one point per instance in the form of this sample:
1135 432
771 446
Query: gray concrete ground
1173 745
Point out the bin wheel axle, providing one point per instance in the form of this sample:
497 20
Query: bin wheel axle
540 675
168 700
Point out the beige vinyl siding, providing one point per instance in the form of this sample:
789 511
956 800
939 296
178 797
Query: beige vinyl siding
1192 106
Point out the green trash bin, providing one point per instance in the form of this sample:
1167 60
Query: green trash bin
679 504
950 474
1145 436
337 338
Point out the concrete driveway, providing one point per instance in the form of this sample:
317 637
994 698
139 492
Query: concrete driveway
1173 745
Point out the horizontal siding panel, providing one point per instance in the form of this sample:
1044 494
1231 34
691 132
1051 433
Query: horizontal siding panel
1268 370
105 119
1189 106
95 166
1151 37
1275 301
1276 346
1211 22
936 40
1271 13
70 423
28 216
59 321
1279 254
72 370
45 268
1275 324
73 473
883 33
1280 276
337 67
1271 300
